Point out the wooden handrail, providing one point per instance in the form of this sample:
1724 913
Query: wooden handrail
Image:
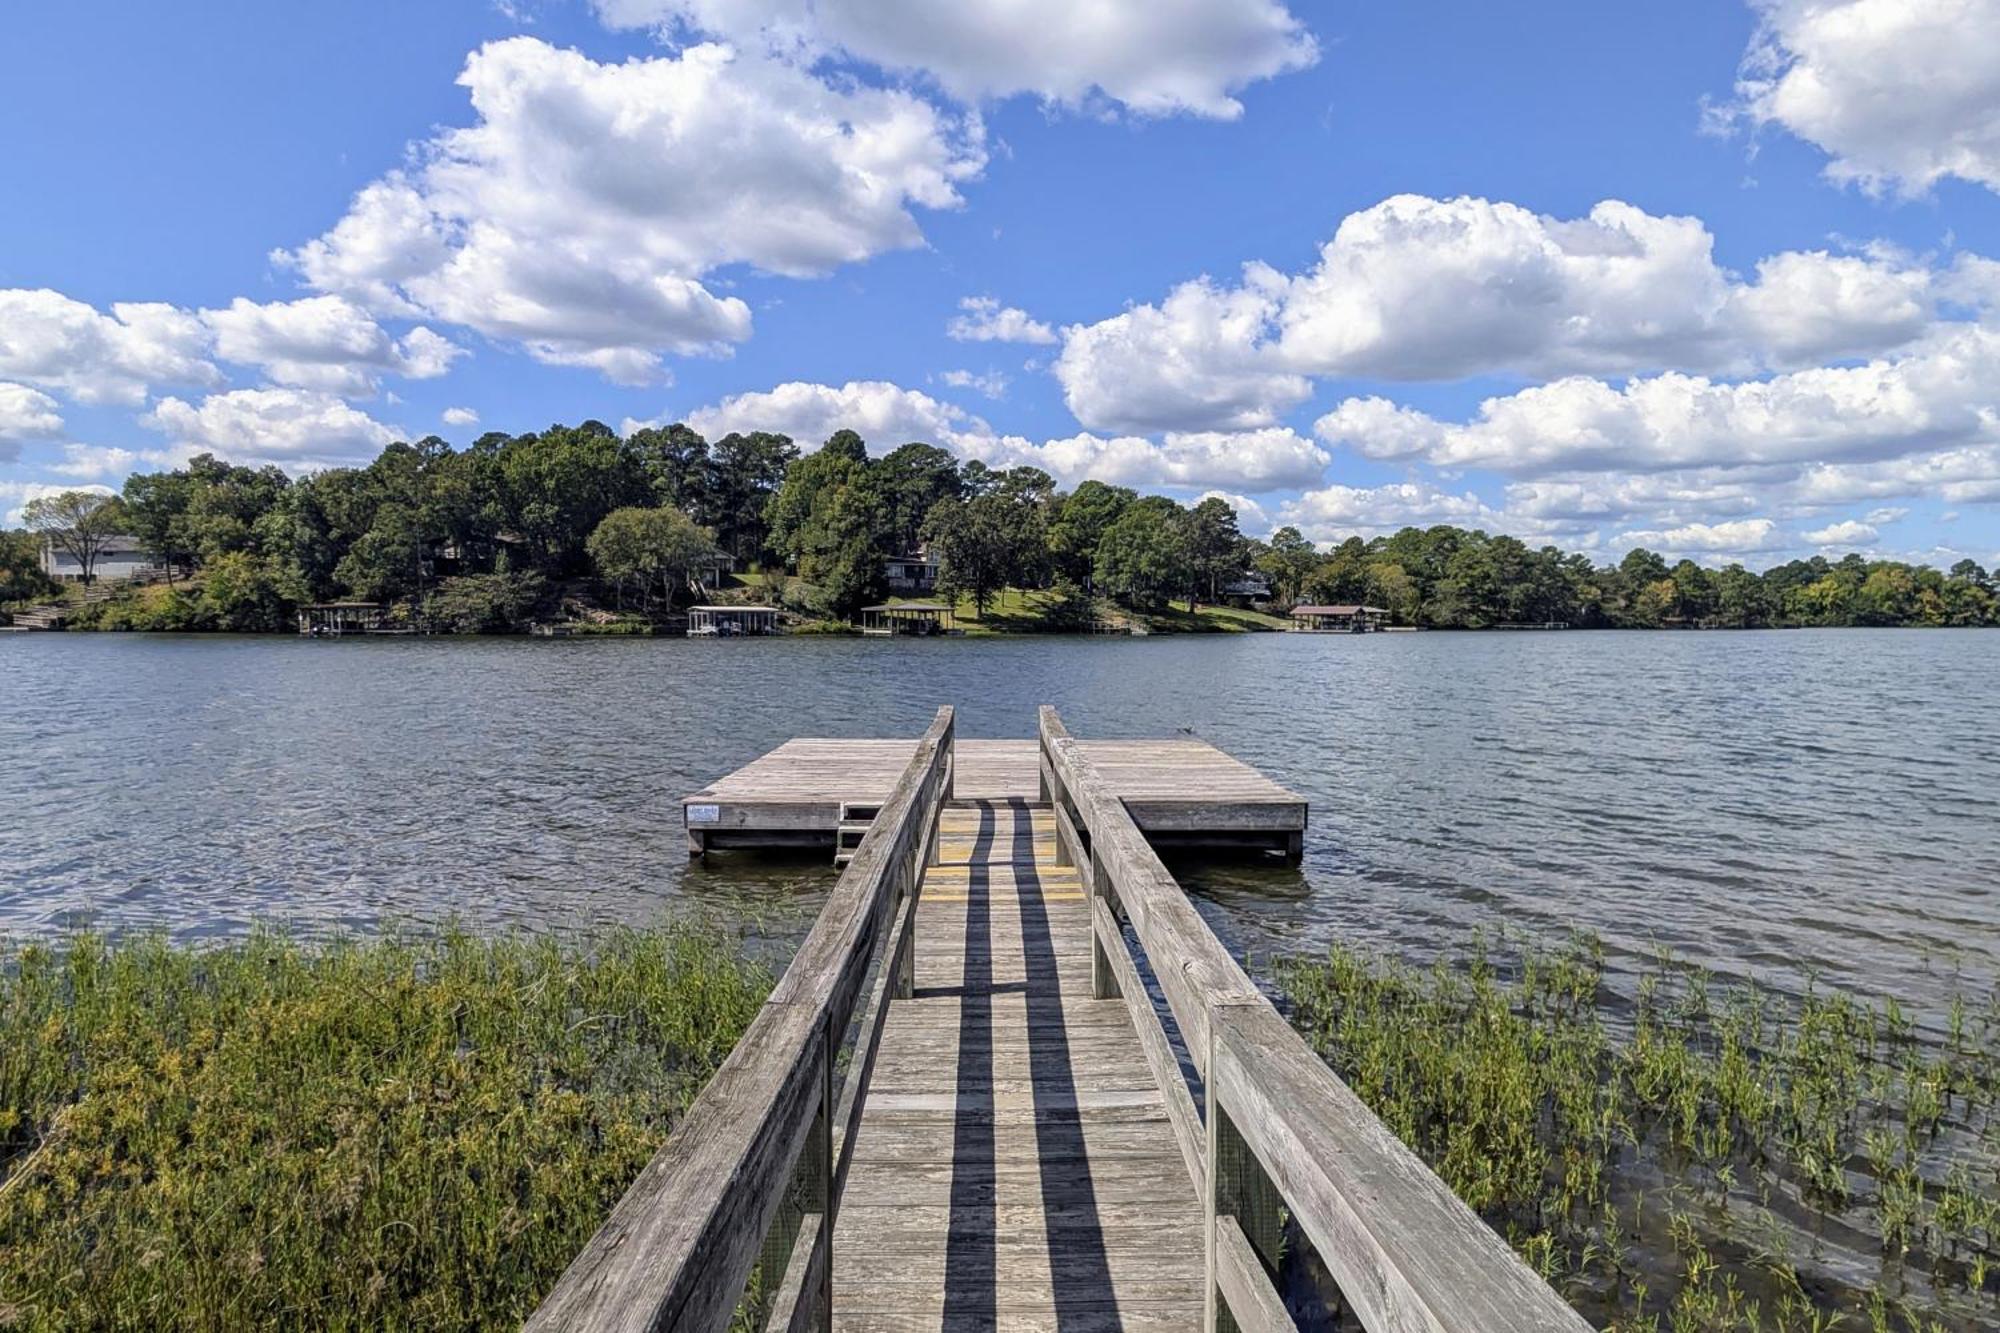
777 1121
1275 1123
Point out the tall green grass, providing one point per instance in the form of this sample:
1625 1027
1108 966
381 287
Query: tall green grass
1707 1157
413 1132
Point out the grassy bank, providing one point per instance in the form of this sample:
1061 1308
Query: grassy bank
392 1133
1019 611
1709 1158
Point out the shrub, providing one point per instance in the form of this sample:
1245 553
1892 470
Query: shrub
486 603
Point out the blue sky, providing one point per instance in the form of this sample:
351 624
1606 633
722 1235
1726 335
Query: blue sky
1715 278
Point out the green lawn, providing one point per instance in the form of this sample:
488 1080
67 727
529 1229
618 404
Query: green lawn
1017 611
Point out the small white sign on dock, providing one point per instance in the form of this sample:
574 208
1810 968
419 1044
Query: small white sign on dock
703 814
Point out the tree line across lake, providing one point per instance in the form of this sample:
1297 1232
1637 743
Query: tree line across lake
575 519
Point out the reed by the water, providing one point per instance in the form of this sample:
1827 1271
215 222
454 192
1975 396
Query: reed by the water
1704 1157
398 1132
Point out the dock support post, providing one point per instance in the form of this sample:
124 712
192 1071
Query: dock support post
1295 847
1103 981
697 843
819 1187
1238 1189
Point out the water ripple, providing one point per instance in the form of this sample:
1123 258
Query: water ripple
1815 804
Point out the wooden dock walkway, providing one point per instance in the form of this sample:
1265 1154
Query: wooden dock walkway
1015 1167
1011 1082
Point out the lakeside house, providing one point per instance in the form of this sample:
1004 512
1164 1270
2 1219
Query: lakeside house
914 572
708 622
120 558
1343 619
1249 591
906 618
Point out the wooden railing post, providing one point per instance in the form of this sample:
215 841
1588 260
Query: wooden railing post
1103 981
820 1190
1245 1218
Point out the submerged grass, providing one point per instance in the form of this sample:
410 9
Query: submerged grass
1707 1157
414 1132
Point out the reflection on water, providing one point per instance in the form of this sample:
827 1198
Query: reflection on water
1770 804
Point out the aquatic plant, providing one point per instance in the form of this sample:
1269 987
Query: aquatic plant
411 1132
1692 1155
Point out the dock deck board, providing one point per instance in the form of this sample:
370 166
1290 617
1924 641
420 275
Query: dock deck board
1182 788
1015 1168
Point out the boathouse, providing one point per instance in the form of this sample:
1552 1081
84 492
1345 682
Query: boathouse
707 622
906 618
1338 619
333 619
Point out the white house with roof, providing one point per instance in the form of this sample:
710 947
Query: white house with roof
121 557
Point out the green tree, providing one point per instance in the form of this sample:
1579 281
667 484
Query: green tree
246 593
1214 549
1078 524
1142 559
844 544
1289 560
744 472
1741 601
156 512
1887 596
915 479
21 576
559 485
648 549
79 523
807 482
676 465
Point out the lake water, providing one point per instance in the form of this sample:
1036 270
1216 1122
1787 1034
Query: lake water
1819 803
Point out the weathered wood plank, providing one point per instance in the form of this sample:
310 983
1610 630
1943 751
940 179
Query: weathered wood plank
1161 1061
1240 1277
1102 1315
1406 1252
1016 1147
801 1301
1174 787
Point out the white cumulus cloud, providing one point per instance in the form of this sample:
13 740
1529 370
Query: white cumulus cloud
296 429
984 319
1416 288
326 343
991 383
1336 512
1850 532
16 496
886 415
1155 57
26 414
55 342
1898 93
580 215
1738 537
1941 393
460 416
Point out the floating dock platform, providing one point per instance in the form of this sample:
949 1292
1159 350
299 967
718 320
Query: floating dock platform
822 792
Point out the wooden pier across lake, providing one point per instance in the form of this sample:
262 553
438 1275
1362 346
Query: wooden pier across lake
1011 1081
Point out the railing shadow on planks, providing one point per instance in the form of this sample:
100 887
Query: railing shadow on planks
754 1171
